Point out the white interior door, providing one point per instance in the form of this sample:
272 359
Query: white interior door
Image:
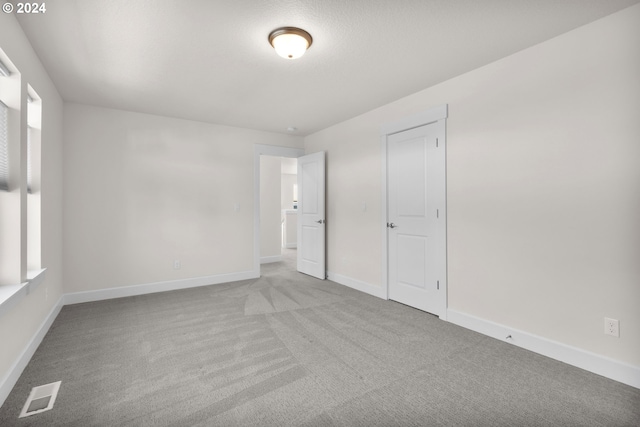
413 213
311 215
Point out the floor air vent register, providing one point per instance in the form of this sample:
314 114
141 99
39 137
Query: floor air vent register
40 399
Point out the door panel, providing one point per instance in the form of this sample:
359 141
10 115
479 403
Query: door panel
410 183
309 184
413 215
411 254
310 239
311 211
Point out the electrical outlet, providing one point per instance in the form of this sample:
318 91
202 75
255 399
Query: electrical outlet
177 264
611 327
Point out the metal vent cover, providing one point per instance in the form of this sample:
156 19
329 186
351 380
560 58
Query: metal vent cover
40 399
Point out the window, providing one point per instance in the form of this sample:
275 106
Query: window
20 217
5 98
29 159
34 124
4 136
4 146
11 272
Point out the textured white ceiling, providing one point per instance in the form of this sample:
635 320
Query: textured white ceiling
210 60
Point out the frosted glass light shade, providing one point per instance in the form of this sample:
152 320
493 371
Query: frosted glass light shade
290 42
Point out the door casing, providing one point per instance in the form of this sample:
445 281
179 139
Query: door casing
434 115
266 150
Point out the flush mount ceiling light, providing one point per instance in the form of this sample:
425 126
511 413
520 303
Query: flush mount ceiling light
290 42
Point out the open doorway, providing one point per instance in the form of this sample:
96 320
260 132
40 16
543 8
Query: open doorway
271 250
289 211
278 210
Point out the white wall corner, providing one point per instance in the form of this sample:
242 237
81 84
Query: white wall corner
367 288
597 364
11 378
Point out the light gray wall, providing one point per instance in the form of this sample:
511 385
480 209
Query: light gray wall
144 190
18 326
543 188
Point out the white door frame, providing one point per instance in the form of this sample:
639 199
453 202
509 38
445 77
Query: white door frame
423 118
264 150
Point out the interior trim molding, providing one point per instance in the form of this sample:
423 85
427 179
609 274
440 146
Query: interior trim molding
358 285
269 259
597 364
419 119
150 288
435 116
11 378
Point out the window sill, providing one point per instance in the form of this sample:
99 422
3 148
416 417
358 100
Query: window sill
10 295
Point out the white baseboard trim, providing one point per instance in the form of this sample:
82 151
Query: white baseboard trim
367 288
290 246
12 376
601 365
269 259
149 288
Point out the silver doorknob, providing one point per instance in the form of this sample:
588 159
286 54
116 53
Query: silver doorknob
320 221
391 225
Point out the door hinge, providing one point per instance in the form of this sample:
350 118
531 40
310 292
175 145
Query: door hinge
438 284
436 142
